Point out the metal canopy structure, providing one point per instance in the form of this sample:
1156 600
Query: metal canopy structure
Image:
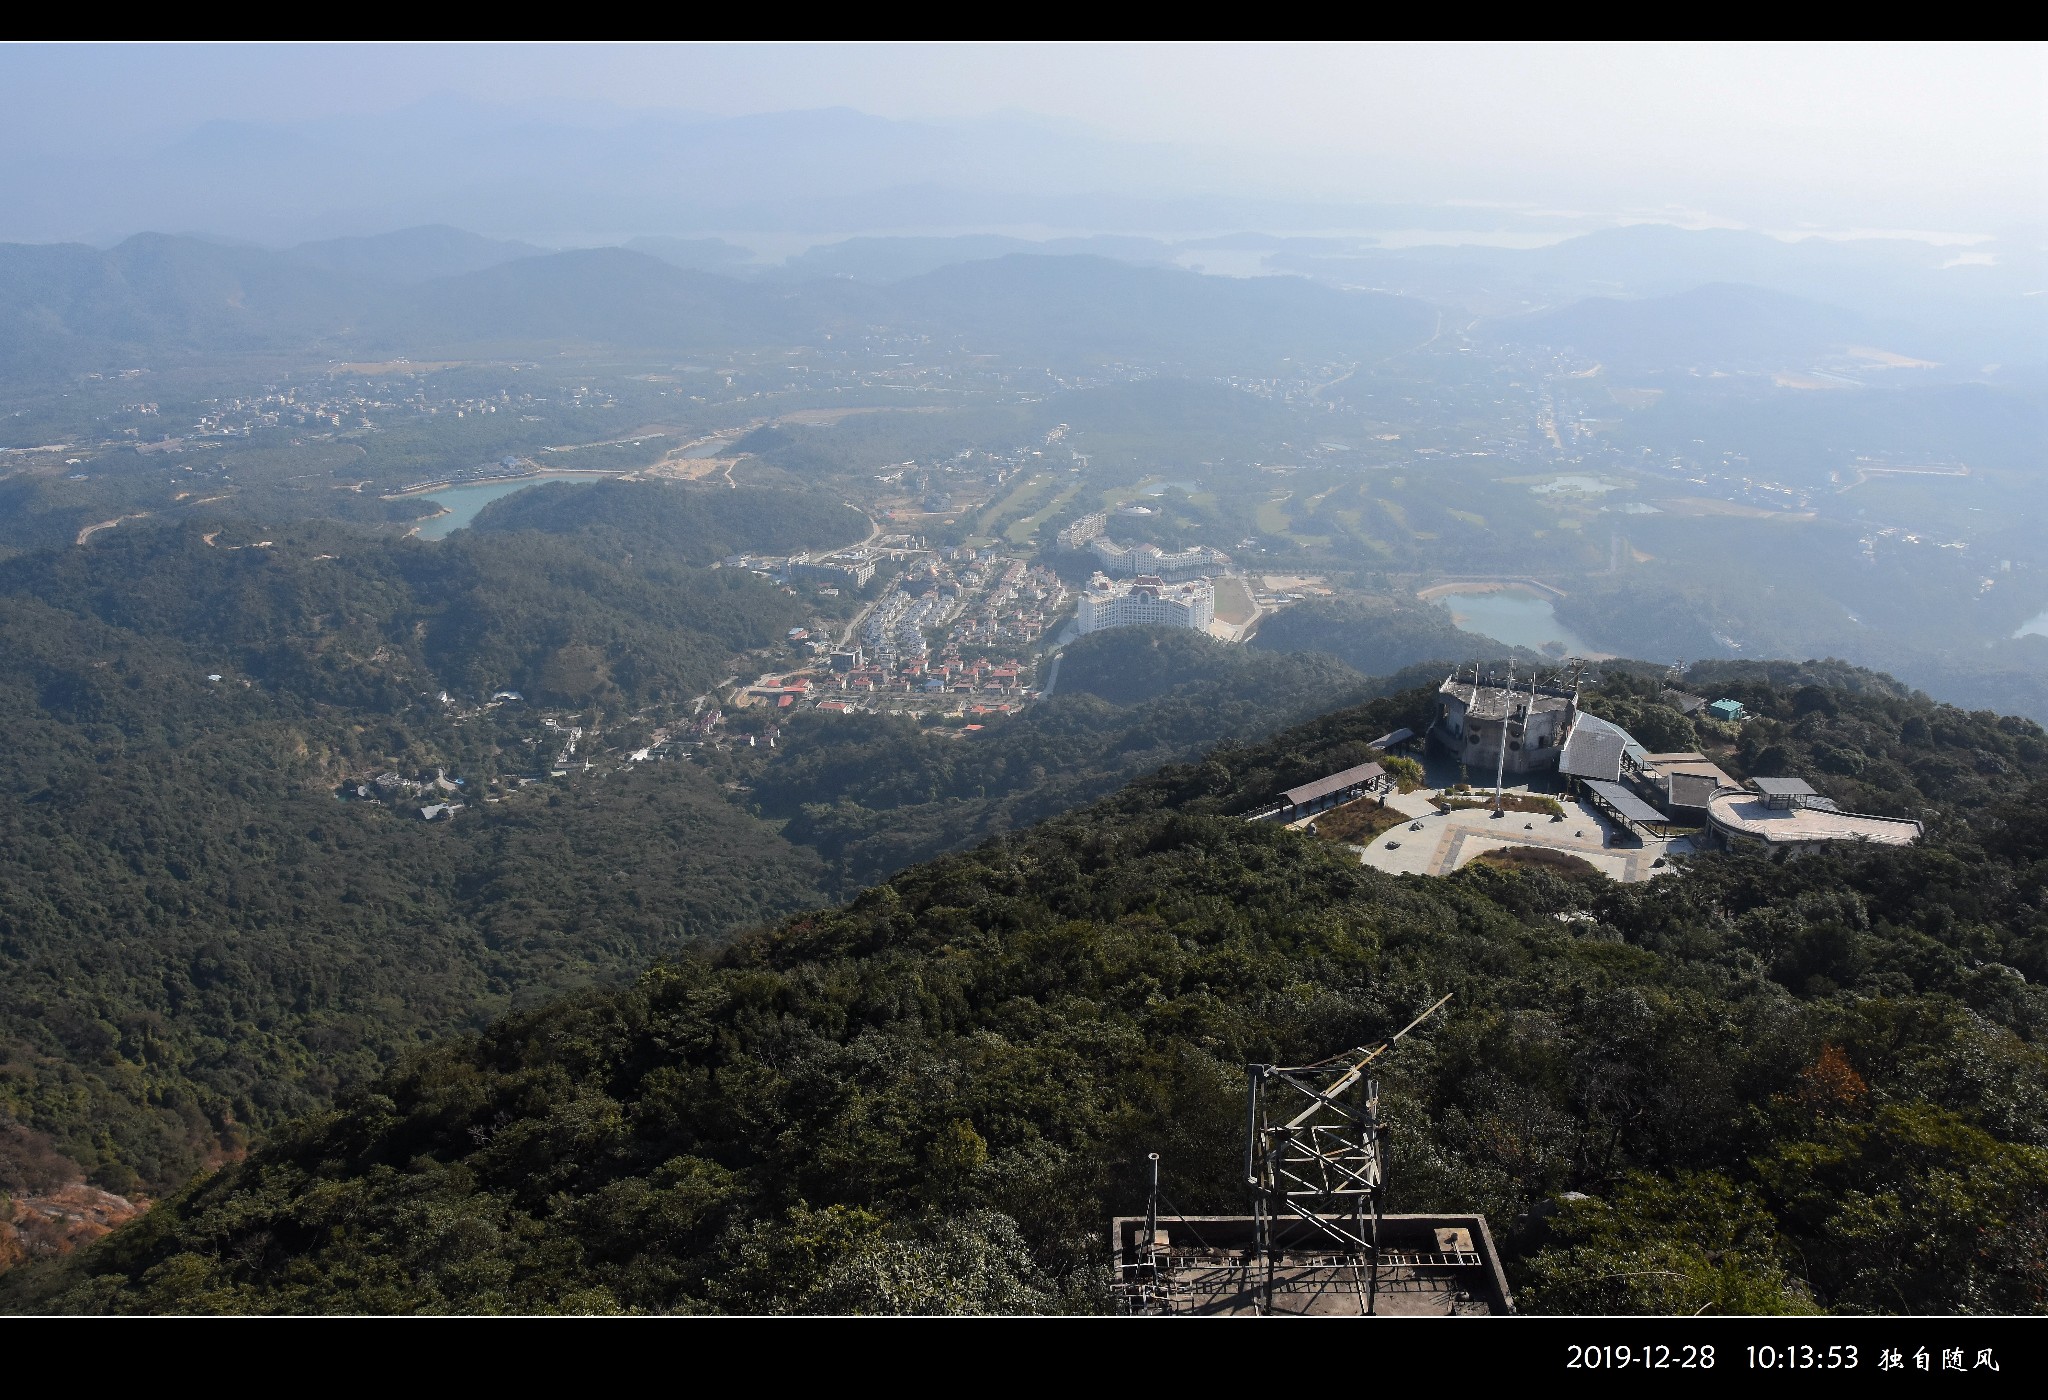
1784 792
1593 749
1337 782
1691 790
1782 787
1314 1156
1627 805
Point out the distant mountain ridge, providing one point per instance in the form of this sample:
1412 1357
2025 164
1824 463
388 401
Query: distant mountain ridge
411 255
1051 303
895 259
552 172
66 307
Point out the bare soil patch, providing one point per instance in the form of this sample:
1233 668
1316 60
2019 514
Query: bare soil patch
1539 858
1510 802
1358 823
1234 603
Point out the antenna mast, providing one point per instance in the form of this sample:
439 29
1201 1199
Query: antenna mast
1500 770
1327 1160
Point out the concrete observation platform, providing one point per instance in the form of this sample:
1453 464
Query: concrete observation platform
1449 840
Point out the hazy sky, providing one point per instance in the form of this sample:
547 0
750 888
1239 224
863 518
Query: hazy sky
1934 136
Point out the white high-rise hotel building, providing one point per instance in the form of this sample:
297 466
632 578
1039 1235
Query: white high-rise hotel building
1150 561
1146 601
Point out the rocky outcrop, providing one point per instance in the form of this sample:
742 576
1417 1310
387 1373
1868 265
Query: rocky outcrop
56 1221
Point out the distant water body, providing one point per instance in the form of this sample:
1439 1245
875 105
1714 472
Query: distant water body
1518 617
463 502
2037 627
1588 485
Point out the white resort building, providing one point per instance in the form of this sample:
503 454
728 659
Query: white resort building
1150 561
1083 530
1146 601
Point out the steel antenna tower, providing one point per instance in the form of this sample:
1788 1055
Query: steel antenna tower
1314 1152
1507 705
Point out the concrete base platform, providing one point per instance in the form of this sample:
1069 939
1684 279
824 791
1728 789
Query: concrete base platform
1205 1266
1448 840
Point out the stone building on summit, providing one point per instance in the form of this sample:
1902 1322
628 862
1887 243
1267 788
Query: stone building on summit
1470 716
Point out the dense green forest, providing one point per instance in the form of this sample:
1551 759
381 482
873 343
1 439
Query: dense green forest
1378 636
370 621
199 938
929 1098
1777 1086
683 524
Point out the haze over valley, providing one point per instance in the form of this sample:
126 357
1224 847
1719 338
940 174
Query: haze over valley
703 681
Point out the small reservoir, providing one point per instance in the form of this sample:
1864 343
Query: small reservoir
2037 626
1576 485
461 503
1520 617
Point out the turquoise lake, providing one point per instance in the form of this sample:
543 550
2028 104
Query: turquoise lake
463 502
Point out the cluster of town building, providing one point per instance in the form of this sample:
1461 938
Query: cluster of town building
1015 606
966 598
853 678
440 797
849 568
951 630
392 787
349 405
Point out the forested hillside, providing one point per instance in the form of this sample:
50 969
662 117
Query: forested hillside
1777 1086
685 524
200 938
372 622
1376 636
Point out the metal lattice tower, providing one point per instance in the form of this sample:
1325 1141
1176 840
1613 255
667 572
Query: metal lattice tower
1315 1152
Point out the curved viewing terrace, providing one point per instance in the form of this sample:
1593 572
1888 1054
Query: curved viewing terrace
1745 816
